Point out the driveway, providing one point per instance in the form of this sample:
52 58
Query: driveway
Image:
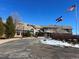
26 49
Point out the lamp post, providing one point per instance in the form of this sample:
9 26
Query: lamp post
76 14
22 32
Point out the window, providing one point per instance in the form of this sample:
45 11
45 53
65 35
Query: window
18 32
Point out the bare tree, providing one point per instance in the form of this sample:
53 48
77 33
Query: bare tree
16 17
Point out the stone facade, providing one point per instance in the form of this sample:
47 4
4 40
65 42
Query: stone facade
23 28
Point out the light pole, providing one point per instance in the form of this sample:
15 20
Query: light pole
22 32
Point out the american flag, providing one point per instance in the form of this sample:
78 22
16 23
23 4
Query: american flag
71 8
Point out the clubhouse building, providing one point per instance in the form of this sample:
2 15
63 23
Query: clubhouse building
23 28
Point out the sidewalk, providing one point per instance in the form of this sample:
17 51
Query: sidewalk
13 39
8 40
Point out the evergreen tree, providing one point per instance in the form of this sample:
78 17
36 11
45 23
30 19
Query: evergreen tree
10 28
1 27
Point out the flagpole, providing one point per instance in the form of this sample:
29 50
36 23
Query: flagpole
76 11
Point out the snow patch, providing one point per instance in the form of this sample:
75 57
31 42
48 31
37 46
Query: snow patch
57 43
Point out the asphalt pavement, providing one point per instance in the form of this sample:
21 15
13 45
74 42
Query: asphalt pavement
25 49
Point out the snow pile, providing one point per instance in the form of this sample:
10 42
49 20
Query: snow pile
57 43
